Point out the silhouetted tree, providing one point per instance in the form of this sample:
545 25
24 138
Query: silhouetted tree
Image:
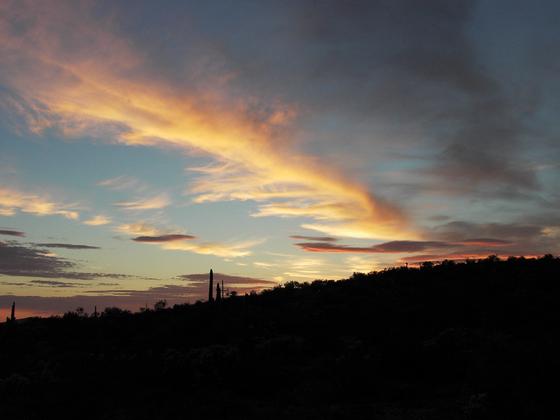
160 305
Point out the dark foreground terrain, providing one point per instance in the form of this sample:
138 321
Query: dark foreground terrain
477 340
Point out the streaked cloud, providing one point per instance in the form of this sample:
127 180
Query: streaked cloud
315 238
156 202
255 160
387 247
122 182
163 238
225 250
166 239
10 232
228 279
140 228
55 283
98 220
31 261
66 246
13 200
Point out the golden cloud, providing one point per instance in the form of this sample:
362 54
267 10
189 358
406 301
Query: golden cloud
140 229
103 85
12 200
225 250
98 220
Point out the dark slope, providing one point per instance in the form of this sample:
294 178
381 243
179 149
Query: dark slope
452 341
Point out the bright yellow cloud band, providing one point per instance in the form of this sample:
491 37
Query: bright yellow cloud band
78 92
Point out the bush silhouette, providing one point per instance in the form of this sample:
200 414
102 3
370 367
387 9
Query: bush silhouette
453 340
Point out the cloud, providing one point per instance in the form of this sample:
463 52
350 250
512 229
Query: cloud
12 200
387 247
475 248
11 232
228 279
140 228
415 259
225 250
121 183
488 242
107 87
55 283
98 220
66 246
163 238
314 238
150 203
19 260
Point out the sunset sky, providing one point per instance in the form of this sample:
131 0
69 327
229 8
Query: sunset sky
143 143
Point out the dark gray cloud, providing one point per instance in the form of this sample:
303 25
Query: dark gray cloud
56 283
66 246
11 232
405 247
163 238
387 247
19 260
515 238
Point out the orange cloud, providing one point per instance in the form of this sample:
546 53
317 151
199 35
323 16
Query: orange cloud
167 240
140 229
99 83
12 200
98 220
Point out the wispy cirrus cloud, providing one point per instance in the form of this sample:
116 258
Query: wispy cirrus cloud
155 202
98 220
123 182
13 200
225 250
256 160
314 238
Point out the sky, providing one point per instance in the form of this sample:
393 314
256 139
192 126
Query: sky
142 145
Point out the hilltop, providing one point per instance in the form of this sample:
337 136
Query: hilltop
470 340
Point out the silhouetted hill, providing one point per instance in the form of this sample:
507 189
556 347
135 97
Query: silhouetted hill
476 340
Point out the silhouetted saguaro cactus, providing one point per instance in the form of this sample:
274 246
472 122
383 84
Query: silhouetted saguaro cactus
13 315
211 287
218 293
